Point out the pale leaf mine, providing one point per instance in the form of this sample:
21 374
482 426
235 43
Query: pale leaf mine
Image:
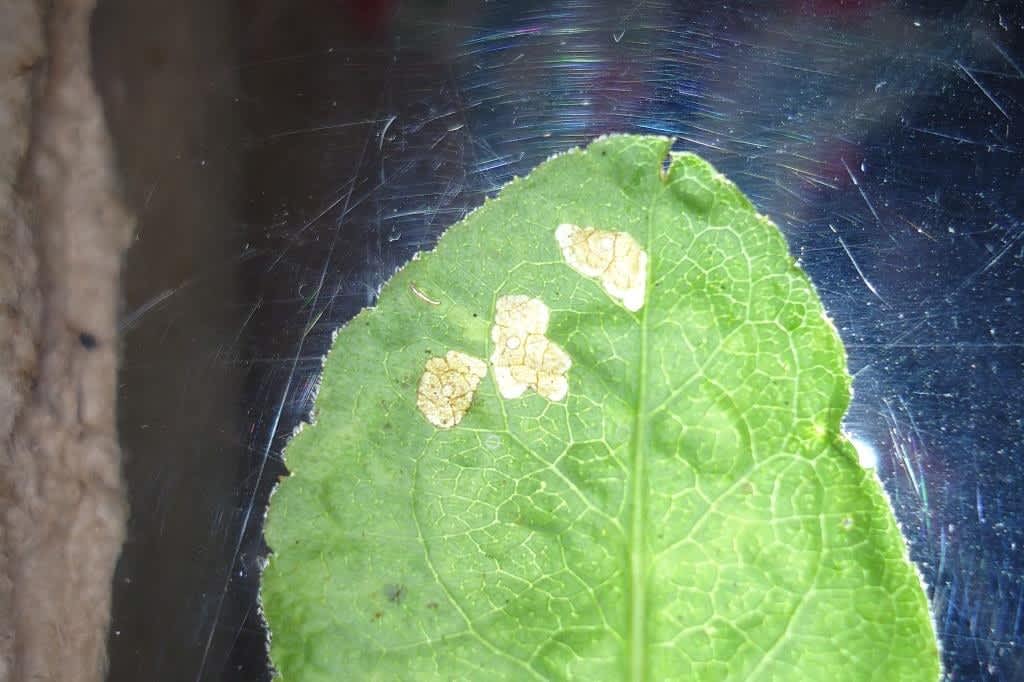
523 356
614 258
447 387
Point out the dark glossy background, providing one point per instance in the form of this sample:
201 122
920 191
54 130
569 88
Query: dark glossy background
285 157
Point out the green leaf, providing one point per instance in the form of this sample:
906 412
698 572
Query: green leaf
651 484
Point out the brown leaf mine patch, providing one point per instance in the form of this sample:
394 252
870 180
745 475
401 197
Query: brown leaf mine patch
614 258
523 356
447 387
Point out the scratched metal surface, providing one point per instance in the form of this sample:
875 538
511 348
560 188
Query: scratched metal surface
885 139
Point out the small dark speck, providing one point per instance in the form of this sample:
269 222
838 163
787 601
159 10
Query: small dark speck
475 315
378 615
432 605
87 340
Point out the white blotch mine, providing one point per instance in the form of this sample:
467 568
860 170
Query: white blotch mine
614 258
447 387
523 356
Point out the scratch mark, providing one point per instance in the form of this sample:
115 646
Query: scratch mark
950 605
324 128
809 177
917 228
902 455
248 319
312 322
617 37
956 345
918 443
863 194
309 223
345 196
942 551
970 279
384 131
1016 618
425 122
948 136
984 90
992 261
804 69
275 422
422 296
849 254
149 195
1009 60
132 318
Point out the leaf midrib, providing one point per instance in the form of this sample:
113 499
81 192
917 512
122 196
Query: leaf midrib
637 547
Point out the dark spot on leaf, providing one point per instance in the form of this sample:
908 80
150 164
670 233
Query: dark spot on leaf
432 605
394 593
378 615
87 340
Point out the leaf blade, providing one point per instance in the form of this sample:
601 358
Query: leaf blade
622 533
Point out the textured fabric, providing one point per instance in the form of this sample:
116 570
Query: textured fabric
63 232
